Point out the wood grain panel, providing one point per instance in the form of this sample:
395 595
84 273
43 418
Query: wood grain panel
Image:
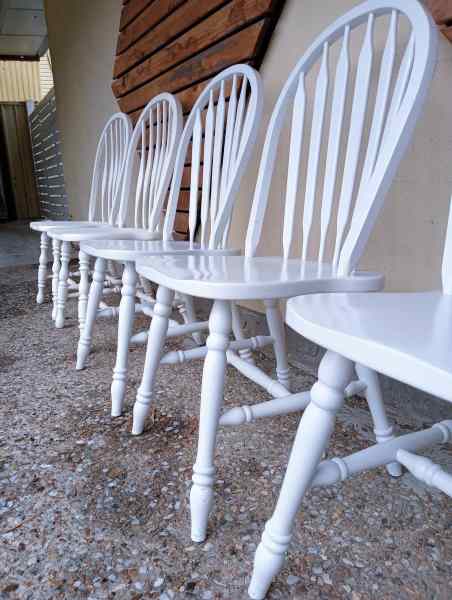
177 23
221 24
208 63
151 16
177 46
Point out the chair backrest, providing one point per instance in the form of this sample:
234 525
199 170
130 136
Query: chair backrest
352 155
108 168
222 135
152 151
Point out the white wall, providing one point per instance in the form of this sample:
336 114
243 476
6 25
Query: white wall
407 242
82 42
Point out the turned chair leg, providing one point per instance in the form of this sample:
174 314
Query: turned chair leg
156 340
56 250
382 427
187 311
314 431
277 331
94 298
83 288
125 324
212 391
237 329
42 270
63 284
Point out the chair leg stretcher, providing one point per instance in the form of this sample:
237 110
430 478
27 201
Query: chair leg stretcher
398 449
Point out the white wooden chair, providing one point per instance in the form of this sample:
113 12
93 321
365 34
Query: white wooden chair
361 184
111 152
406 336
158 153
222 129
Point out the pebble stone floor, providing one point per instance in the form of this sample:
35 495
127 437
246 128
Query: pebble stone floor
88 511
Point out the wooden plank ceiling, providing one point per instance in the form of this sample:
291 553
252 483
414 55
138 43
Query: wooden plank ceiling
177 46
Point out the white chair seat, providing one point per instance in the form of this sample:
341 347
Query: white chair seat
241 278
48 224
103 232
405 336
131 250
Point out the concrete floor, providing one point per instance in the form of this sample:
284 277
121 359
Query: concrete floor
89 512
18 244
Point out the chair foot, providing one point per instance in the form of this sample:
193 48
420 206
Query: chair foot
82 355
118 392
140 412
42 270
268 562
59 320
201 502
394 469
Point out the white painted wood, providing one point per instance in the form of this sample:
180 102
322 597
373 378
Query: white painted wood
293 173
56 251
338 469
359 107
255 374
284 405
237 328
126 314
232 278
194 181
42 270
384 150
383 333
83 289
383 429
229 135
334 140
311 441
276 328
235 278
225 173
446 268
201 495
156 340
207 169
321 91
63 284
217 151
426 470
94 299
154 141
103 196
